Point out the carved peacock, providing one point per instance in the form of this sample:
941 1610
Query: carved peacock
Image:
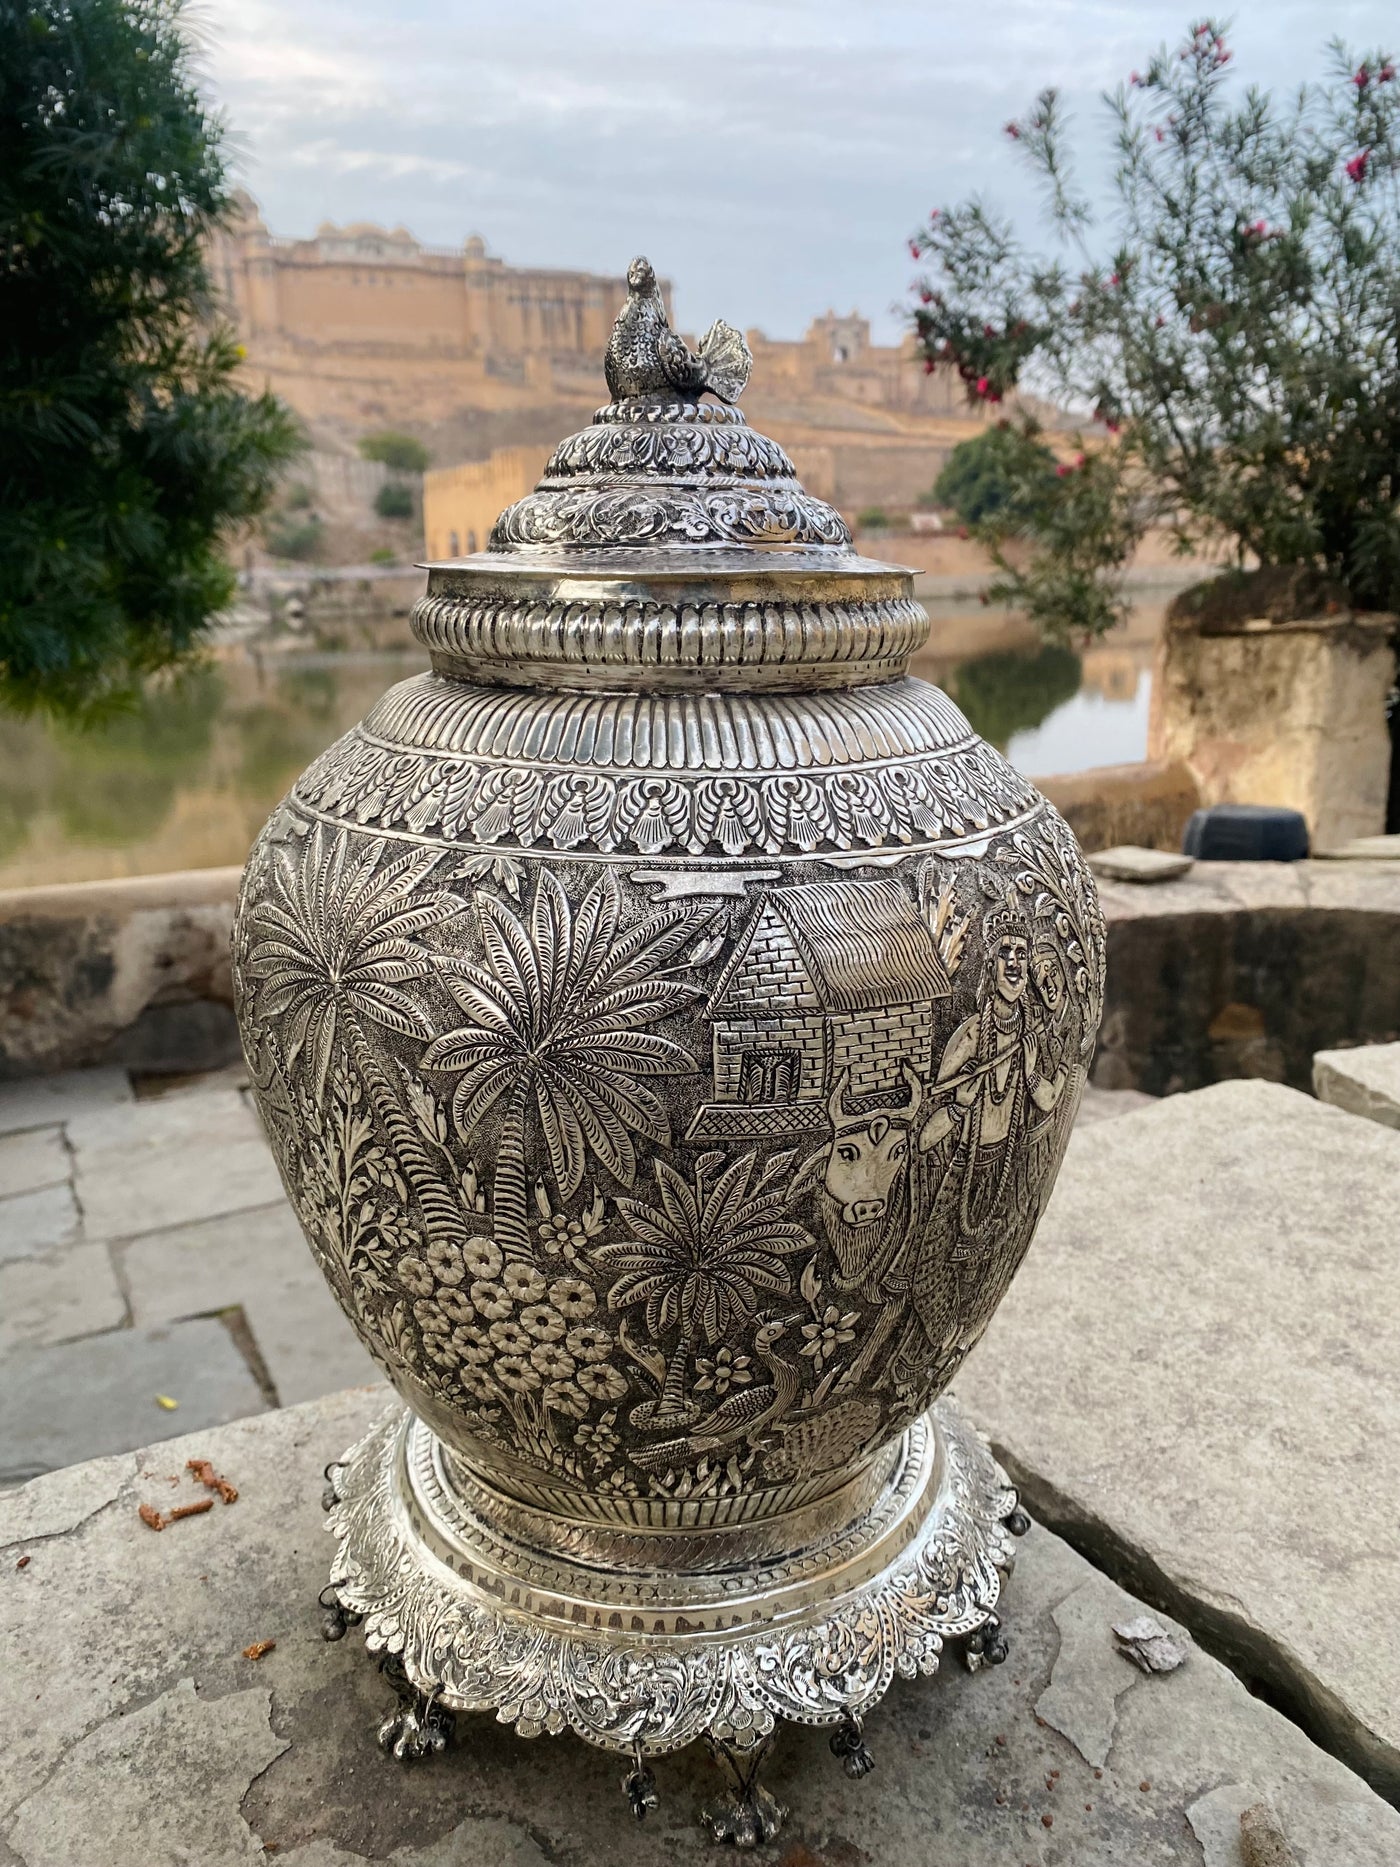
646 357
744 1415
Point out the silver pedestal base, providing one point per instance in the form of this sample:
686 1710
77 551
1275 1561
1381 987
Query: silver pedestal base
469 1615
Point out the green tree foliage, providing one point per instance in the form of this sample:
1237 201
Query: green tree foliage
126 452
394 500
982 478
403 452
1233 322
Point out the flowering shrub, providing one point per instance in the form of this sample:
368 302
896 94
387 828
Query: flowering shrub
1231 325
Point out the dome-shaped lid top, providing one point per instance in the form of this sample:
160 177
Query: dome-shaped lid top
668 545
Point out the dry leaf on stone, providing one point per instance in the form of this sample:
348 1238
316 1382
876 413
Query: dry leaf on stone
1149 1646
258 1649
211 1480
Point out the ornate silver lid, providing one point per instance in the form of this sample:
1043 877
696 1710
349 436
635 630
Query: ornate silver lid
669 546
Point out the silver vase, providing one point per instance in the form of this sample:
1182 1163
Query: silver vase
669 1018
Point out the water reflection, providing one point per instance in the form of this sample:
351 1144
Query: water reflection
187 779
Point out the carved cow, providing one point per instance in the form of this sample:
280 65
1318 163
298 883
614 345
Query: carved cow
871 1182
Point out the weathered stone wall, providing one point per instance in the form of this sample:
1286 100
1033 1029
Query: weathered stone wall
1147 804
1290 713
134 972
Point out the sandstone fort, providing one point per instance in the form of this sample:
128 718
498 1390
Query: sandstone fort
361 327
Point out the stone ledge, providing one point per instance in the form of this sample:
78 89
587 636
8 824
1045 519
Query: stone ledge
1196 1379
1247 969
133 1729
1364 1081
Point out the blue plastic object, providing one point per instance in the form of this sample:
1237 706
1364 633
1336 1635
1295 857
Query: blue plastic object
1246 833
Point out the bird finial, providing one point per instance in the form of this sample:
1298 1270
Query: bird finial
646 357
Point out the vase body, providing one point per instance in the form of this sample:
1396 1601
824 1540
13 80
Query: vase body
669 1017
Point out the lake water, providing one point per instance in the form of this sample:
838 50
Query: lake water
188 779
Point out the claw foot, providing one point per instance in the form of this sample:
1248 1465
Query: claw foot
419 1728
748 1816
987 1647
848 1743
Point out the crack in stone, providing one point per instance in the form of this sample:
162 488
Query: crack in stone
1265 1667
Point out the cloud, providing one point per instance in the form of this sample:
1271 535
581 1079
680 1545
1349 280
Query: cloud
772 156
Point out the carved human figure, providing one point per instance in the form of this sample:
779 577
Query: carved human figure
991 1082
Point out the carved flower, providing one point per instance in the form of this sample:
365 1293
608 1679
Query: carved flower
430 1318
480 1384
515 1373
523 1283
476 1353
446 1259
456 1305
601 1381
573 1298
552 1361
620 1483
598 1439
491 1301
510 1338
726 1370
482 1258
396 1232
825 1336
543 1322
415 1276
440 1350
564 1397
587 1342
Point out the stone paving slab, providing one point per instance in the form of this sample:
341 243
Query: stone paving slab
168 1161
101 1392
38 1101
1196 1376
31 1160
259 1261
54 1296
40 1221
134 1731
1364 1081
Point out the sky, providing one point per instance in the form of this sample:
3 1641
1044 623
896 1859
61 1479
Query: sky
771 157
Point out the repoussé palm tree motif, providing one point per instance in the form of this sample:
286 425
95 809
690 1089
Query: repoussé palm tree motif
338 945
556 1017
701 1258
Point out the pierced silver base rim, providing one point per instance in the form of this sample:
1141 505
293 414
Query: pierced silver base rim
645 1664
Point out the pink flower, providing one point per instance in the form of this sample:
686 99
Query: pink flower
1013 130
925 296
1081 460
934 212
1356 168
1115 280
1260 227
983 386
988 330
914 252
1160 321
1361 78
1062 471
1112 426
1159 132
928 366
1134 79
1386 74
